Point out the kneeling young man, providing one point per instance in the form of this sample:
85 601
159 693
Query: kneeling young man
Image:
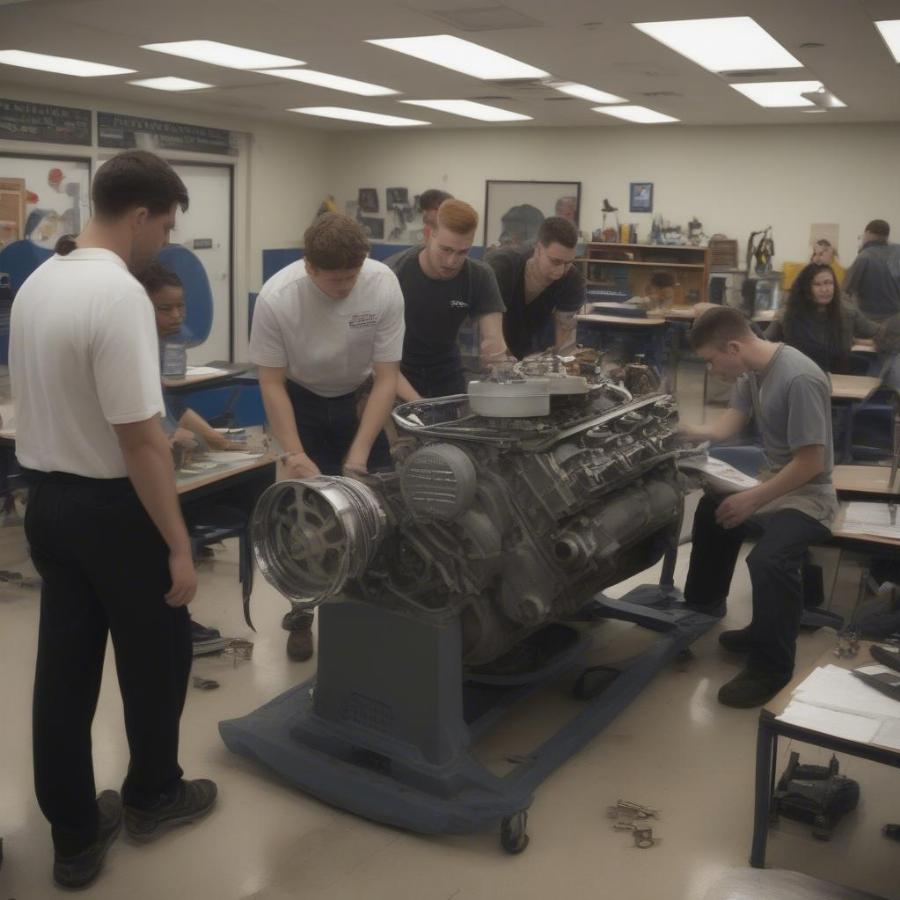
794 505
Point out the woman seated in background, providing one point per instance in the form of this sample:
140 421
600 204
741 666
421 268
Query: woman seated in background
818 324
825 254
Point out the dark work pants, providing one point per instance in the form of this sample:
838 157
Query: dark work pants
775 565
441 381
104 567
327 426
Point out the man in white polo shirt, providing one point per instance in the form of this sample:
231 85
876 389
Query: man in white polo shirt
103 520
321 327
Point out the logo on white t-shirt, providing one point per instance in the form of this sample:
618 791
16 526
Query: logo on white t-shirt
363 320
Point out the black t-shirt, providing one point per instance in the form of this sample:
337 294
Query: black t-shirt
523 322
436 309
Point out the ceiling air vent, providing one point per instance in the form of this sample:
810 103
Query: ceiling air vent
559 99
758 73
660 94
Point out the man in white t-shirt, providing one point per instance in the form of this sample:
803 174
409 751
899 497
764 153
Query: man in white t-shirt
103 520
321 327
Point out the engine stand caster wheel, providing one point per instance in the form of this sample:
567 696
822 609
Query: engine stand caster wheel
513 833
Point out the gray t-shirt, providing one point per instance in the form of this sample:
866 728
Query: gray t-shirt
791 402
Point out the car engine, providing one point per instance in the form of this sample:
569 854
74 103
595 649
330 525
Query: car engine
510 507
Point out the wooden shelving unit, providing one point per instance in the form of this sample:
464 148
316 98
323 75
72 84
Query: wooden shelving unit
626 268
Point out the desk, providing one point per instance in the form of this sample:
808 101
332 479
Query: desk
633 335
228 374
872 480
626 321
770 729
856 388
192 486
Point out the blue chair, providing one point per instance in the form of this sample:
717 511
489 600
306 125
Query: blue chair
197 292
20 258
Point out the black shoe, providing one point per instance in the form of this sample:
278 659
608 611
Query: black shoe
202 632
191 801
751 687
300 645
81 869
737 641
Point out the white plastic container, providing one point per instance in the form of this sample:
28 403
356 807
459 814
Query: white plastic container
510 399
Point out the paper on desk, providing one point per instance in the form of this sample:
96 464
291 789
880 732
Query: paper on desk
833 687
205 370
230 456
841 724
870 518
719 475
889 734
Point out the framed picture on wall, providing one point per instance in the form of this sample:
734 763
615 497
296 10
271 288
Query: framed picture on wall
641 197
514 210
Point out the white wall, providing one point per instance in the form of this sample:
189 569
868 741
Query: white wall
735 180
280 179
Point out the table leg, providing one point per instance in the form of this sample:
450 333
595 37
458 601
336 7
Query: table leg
766 753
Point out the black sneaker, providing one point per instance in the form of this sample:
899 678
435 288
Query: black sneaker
737 641
751 687
80 870
202 632
191 801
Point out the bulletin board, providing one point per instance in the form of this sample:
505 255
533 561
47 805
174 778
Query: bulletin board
43 198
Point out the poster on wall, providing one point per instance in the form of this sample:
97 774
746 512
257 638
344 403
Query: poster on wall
22 121
50 197
127 132
368 200
514 210
373 227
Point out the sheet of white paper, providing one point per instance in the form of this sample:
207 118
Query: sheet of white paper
870 518
835 688
841 724
889 734
205 370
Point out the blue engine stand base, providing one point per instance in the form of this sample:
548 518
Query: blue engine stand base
385 729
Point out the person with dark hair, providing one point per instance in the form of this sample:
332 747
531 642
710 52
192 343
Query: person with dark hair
519 225
321 327
538 284
442 287
103 521
825 254
817 323
873 281
429 203
659 293
793 506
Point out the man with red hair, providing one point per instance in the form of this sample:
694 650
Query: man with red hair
441 288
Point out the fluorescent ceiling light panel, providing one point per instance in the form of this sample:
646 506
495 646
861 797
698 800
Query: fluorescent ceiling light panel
171 83
722 45
890 31
335 82
585 92
223 54
781 93
462 56
641 114
61 65
471 110
357 115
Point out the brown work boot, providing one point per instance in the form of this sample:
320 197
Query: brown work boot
300 639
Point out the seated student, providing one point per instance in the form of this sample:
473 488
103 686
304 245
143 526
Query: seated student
321 327
441 288
792 507
659 294
186 429
429 203
817 323
825 254
537 283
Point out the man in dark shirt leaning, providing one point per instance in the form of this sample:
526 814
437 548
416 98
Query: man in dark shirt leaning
873 281
539 282
441 288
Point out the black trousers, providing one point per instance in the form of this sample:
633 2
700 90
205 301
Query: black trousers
105 569
440 381
327 426
775 576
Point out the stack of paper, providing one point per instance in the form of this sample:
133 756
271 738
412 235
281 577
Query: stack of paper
872 519
205 370
717 474
834 701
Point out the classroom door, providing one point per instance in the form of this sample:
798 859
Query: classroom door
205 229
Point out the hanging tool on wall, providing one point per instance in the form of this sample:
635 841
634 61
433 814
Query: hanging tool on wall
761 249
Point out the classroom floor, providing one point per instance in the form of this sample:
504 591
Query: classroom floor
675 748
